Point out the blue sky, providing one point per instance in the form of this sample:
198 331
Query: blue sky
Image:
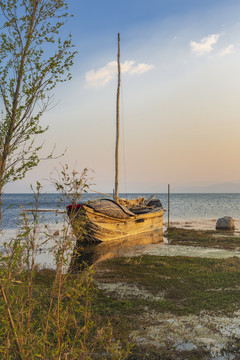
180 111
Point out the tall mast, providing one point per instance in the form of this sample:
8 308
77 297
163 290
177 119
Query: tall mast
117 127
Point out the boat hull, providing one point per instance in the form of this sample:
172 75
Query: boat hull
100 227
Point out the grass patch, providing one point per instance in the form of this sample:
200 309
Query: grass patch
186 285
84 327
189 285
204 238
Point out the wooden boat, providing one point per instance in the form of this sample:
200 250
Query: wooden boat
105 219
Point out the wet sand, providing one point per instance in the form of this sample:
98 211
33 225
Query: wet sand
164 249
178 250
214 334
201 224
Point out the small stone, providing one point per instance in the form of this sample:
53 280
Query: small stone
225 223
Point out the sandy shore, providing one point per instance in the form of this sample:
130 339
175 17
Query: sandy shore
201 224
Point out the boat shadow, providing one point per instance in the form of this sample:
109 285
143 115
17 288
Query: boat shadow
92 254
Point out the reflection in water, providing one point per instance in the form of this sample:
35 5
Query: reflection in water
92 254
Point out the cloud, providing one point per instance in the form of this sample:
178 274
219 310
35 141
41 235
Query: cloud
205 45
140 69
104 74
228 50
101 76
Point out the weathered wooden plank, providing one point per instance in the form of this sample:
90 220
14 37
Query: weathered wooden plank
106 228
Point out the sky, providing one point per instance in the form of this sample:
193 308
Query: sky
180 90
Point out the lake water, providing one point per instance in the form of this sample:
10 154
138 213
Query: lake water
191 210
183 207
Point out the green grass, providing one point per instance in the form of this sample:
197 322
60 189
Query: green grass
190 286
175 285
204 238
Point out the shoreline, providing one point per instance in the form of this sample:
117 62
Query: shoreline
172 299
183 298
160 247
200 224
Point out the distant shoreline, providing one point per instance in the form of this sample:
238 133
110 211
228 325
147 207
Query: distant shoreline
135 193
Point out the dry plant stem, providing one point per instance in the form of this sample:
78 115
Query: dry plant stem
86 317
30 290
57 282
16 340
60 284
7 345
78 332
58 310
30 281
47 324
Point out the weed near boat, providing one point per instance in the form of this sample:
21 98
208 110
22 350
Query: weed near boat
47 314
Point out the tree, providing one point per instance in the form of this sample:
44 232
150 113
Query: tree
33 59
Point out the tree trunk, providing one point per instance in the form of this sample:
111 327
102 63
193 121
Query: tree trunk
13 115
0 207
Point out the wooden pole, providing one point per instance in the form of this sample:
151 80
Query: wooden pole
117 127
168 204
99 192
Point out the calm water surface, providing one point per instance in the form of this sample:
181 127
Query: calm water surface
182 206
194 208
